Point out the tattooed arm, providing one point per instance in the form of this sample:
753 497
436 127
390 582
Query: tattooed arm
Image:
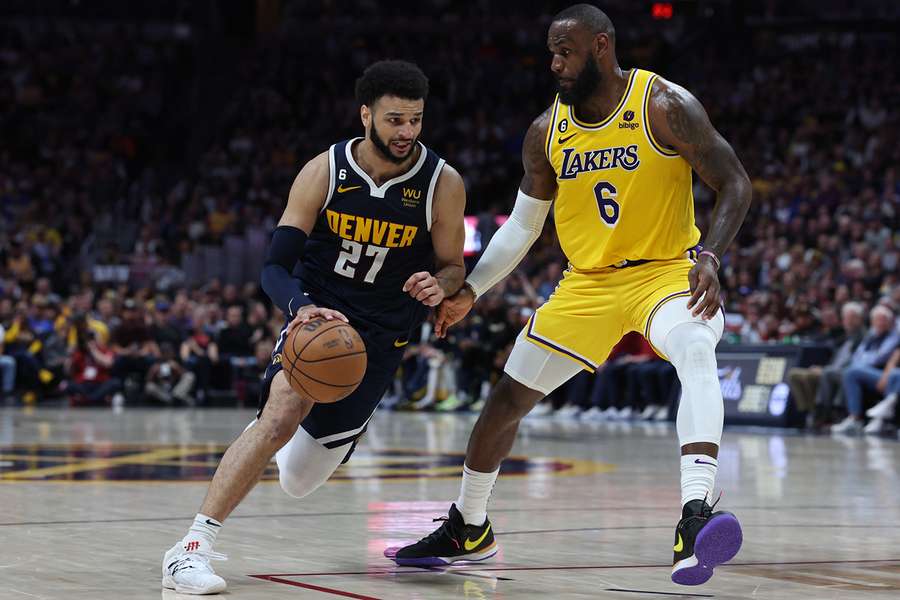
679 121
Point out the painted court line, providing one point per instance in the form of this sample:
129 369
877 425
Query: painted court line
678 594
317 588
547 510
579 567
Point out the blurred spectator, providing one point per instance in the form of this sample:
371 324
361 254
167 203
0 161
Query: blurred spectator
867 367
614 394
652 386
168 380
7 368
90 368
19 265
24 346
551 276
883 413
199 353
133 343
166 327
262 354
814 388
235 340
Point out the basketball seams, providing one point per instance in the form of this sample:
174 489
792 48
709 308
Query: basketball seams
340 368
334 325
309 395
303 382
328 383
291 377
318 360
293 364
318 333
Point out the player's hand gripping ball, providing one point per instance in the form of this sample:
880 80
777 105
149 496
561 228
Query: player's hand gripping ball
324 360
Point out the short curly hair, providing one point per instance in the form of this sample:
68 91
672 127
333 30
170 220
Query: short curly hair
391 78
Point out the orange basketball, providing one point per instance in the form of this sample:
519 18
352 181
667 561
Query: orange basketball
324 360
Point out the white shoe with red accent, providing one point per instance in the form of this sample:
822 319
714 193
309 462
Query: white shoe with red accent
185 569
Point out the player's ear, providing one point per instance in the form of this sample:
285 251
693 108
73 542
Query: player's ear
601 45
365 115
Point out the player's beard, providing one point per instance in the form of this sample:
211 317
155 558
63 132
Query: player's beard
586 83
385 149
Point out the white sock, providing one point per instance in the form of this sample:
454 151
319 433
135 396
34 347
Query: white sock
204 530
473 495
698 477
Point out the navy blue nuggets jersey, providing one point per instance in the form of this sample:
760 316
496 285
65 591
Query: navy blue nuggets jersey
369 239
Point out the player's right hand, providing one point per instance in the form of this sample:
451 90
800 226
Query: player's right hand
705 297
311 311
452 310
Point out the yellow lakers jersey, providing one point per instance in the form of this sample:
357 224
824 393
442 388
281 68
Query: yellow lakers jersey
622 195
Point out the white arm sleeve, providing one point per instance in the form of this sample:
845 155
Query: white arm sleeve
510 243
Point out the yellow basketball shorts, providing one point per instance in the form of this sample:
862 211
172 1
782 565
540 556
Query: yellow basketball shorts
590 311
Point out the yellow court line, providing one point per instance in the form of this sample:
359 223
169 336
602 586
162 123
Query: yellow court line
187 463
578 468
575 467
365 460
95 464
372 462
365 467
35 457
367 474
114 446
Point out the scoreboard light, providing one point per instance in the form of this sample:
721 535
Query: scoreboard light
662 10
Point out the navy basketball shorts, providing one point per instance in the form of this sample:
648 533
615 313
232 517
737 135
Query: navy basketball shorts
339 423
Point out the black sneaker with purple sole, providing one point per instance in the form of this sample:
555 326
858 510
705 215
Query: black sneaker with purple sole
454 541
703 540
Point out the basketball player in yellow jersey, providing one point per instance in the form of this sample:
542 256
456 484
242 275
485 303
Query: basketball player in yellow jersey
614 154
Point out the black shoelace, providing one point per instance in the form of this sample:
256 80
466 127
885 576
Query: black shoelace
706 511
444 530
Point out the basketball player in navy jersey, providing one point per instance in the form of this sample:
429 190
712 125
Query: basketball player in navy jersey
373 235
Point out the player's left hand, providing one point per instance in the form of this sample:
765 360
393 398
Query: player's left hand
424 287
705 289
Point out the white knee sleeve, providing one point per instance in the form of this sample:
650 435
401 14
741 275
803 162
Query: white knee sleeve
690 343
304 464
538 368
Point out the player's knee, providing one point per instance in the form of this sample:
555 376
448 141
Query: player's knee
277 431
512 397
692 346
283 413
304 464
301 484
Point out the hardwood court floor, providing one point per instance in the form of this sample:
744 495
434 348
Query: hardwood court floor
90 501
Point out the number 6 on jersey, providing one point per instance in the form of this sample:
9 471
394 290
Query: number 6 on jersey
606 202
